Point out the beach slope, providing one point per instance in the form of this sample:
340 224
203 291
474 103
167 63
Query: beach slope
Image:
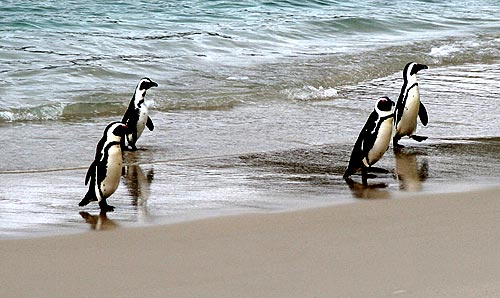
438 245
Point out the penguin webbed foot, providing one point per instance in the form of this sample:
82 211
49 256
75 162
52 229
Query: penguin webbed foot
364 182
377 170
129 148
105 207
419 138
366 173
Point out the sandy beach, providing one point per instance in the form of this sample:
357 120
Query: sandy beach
239 190
420 245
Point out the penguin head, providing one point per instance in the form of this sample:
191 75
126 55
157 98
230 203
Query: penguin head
115 130
412 68
144 84
384 105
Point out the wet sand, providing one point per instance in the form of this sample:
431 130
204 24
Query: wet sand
156 192
414 245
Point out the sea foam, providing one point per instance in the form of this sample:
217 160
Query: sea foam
311 93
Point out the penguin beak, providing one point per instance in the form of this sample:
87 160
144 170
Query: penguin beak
418 67
146 85
422 66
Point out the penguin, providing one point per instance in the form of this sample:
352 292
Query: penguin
373 140
408 106
105 171
136 117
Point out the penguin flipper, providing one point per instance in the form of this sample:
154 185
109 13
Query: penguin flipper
422 114
89 197
128 112
89 172
149 124
361 147
126 117
84 202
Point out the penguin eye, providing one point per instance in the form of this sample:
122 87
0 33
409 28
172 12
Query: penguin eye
119 131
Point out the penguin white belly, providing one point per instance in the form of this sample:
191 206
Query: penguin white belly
113 171
141 123
408 123
381 142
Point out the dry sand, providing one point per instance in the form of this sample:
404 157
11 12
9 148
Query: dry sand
440 245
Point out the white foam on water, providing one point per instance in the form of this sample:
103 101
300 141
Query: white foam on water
444 51
311 93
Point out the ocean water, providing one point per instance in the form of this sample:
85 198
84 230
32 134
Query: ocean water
257 109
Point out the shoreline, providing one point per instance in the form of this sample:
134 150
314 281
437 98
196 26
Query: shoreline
422 245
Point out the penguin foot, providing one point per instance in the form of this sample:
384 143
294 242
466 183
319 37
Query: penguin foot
419 138
378 170
129 148
356 186
105 207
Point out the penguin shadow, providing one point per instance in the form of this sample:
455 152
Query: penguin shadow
366 191
409 172
136 180
99 222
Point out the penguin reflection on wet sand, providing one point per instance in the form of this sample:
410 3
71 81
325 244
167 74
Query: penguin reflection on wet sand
137 182
408 171
408 106
105 171
373 140
99 222
136 117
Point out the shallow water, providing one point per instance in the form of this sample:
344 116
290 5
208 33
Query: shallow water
166 191
257 108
